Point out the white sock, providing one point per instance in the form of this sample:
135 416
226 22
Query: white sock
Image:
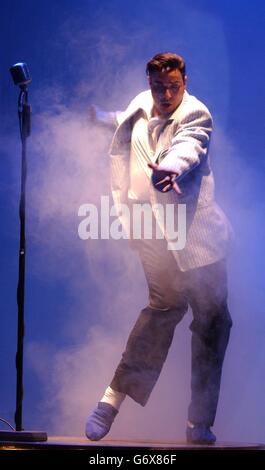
113 397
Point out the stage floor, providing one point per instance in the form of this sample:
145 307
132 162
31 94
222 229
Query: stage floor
80 443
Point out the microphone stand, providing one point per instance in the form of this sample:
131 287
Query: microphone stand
19 435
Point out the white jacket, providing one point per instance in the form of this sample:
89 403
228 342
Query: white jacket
183 148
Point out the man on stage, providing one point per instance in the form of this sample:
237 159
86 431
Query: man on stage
159 155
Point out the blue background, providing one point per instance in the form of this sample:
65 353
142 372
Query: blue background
82 52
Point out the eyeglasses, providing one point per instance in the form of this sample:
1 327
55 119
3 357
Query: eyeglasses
160 87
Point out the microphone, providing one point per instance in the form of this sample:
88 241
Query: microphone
21 77
20 74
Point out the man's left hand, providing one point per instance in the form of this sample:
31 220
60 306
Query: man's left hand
164 180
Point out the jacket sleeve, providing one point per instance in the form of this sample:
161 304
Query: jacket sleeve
189 144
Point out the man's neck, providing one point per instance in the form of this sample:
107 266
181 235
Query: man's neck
156 113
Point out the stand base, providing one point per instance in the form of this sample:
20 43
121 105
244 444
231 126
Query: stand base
23 436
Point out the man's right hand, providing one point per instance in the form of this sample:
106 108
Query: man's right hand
97 116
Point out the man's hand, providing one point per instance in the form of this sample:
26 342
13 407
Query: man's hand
163 180
96 115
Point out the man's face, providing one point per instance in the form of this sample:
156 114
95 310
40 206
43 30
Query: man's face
167 89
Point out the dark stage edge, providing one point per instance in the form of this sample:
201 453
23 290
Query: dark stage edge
79 443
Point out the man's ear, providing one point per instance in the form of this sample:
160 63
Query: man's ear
185 80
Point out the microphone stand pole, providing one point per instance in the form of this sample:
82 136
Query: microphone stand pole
24 114
24 125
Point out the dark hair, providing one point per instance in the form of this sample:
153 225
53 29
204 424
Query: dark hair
165 61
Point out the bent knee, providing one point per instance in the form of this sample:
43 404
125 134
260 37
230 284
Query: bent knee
181 307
